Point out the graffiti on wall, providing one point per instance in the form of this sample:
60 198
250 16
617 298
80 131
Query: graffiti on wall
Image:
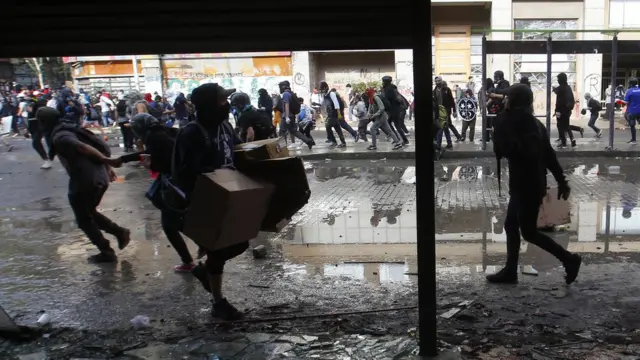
246 84
593 85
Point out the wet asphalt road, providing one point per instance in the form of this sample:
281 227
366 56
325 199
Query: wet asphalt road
351 248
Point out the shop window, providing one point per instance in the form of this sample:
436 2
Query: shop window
624 14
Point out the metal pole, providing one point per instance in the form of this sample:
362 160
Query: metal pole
425 201
614 72
483 90
549 62
135 71
607 228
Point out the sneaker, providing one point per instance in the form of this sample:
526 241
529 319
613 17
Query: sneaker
599 134
124 238
573 143
200 273
504 276
225 311
449 146
107 256
631 142
357 137
405 142
581 132
328 141
397 146
46 165
371 147
562 146
184 268
333 145
558 140
343 145
572 268
310 145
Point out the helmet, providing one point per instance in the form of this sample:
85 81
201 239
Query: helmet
387 79
239 100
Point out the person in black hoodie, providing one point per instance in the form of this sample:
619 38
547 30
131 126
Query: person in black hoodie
203 146
564 106
523 140
390 91
87 161
158 141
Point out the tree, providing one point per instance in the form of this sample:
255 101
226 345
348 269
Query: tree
36 65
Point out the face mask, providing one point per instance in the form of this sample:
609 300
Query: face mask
223 112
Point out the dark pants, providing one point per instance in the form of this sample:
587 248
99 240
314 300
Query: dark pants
294 130
447 135
471 125
90 221
217 259
522 219
172 224
306 131
633 120
36 139
362 128
592 122
346 126
394 125
127 135
452 128
330 125
564 128
401 125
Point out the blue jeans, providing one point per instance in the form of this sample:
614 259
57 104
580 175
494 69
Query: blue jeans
592 122
447 135
105 118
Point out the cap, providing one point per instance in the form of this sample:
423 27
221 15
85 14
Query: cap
438 78
210 94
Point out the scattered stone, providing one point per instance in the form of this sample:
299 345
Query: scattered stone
292 339
34 356
309 338
259 337
259 252
158 352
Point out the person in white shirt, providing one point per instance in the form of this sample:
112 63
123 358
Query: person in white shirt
106 105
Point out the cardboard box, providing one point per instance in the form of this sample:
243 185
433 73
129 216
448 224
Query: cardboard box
291 187
227 208
553 212
261 150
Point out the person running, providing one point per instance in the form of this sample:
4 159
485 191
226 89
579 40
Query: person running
332 106
390 91
106 105
36 132
564 106
378 115
523 140
306 120
289 107
253 125
594 106
632 99
86 159
158 141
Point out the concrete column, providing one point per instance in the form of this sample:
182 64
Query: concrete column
404 71
301 74
501 18
591 76
152 75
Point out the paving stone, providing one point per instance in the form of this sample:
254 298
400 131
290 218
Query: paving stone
155 352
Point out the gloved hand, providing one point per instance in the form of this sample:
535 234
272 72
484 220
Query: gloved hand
287 120
583 111
564 190
558 115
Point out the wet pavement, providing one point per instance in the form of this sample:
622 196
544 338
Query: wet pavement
352 249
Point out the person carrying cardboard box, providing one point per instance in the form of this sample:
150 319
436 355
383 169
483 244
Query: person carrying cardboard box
202 147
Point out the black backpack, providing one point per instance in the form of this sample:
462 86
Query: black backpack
294 105
386 102
155 111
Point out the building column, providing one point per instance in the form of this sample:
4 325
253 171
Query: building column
594 13
404 71
501 18
152 71
301 83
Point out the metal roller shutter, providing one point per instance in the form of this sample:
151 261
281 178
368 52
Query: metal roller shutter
190 26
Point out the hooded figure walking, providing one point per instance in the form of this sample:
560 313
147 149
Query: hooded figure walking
523 140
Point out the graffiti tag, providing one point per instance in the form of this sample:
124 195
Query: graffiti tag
592 85
299 79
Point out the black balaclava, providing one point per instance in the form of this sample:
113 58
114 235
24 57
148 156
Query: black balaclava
386 81
562 78
48 119
525 80
142 123
211 103
498 76
520 97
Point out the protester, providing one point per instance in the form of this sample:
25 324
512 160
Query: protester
390 91
523 140
265 104
86 159
253 124
306 120
468 110
34 129
333 106
444 98
106 104
158 142
379 116
632 99
125 124
203 146
564 106
363 117
594 106
289 107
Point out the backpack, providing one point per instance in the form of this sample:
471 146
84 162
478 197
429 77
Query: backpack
86 136
294 104
302 114
155 111
571 101
386 102
340 102
443 115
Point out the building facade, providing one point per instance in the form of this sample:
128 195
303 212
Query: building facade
458 27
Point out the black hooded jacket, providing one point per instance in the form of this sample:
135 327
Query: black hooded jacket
564 96
523 140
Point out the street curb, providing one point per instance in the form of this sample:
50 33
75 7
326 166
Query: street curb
453 154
